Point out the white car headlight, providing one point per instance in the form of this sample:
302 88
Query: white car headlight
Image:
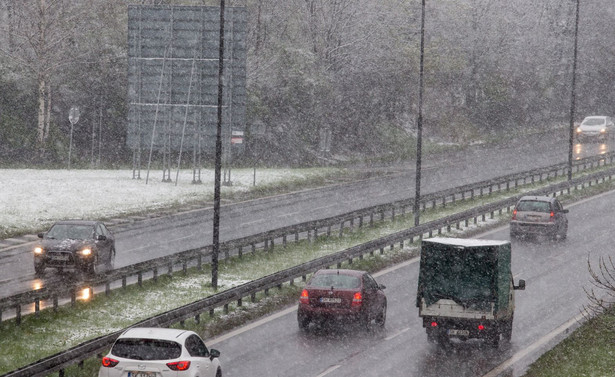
38 250
86 252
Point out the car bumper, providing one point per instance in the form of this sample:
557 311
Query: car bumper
328 314
519 228
64 260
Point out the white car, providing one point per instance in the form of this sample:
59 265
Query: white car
160 352
595 127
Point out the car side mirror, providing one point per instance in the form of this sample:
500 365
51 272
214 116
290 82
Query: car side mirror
521 285
41 235
214 353
101 237
564 211
381 286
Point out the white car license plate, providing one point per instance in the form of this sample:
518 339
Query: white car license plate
331 300
141 374
60 257
458 332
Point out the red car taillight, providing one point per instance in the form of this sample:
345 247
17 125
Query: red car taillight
108 362
179 365
357 299
552 216
514 217
305 297
481 327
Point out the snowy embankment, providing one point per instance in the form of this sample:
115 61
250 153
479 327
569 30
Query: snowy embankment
33 199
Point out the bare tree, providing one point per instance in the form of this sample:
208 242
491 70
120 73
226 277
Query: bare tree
602 295
42 40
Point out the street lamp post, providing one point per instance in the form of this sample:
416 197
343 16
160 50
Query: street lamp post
573 92
419 124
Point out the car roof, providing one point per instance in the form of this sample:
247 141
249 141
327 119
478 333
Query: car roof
342 271
77 222
538 198
595 117
155 333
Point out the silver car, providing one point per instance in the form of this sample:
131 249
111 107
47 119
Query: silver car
539 215
596 128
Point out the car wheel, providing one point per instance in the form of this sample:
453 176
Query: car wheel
304 323
39 269
219 372
495 339
507 333
92 268
382 316
111 260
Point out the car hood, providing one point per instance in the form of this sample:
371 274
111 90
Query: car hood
585 127
66 244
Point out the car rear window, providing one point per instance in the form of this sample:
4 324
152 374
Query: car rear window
534 206
146 349
336 281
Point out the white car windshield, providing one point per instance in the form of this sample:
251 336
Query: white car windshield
593 122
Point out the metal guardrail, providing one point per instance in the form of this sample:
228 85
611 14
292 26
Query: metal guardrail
96 346
310 229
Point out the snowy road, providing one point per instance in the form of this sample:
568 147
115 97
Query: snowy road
556 273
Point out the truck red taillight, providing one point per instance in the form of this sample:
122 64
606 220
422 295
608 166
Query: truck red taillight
179 365
357 299
434 324
108 362
305 297
481 327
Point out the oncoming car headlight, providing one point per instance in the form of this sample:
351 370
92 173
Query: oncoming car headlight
578 129
86 252
38 250
603 130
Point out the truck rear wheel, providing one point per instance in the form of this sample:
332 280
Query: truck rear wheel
507 333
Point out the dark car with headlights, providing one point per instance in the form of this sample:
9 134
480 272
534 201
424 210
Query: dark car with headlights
342 296
78 244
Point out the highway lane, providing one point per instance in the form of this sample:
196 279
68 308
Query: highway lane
159 237
555 272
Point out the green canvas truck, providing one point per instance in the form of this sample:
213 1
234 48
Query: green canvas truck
466 289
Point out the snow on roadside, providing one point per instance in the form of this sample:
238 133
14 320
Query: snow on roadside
31 198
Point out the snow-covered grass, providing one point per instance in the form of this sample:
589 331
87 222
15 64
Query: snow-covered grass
32 199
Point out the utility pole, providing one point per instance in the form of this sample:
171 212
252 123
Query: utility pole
216 231
573 92
419 124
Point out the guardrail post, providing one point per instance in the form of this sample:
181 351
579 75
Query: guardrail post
253 297
197 319
18 314
54 300
225 308
392 215
254 247
283 241
140 278
341 229
199 260
185 265
361 222
329 231
371 219
239 302
37 307
309 236
170 265
107 288
73 297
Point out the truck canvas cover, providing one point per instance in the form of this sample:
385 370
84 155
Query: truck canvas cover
474 273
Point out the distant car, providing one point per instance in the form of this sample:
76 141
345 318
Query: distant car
160 352
79 244
341 296
595 127
539 215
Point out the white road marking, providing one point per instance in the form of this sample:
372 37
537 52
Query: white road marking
397 334
331 369
533 347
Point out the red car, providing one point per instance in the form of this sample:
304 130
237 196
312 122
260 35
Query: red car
342 296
